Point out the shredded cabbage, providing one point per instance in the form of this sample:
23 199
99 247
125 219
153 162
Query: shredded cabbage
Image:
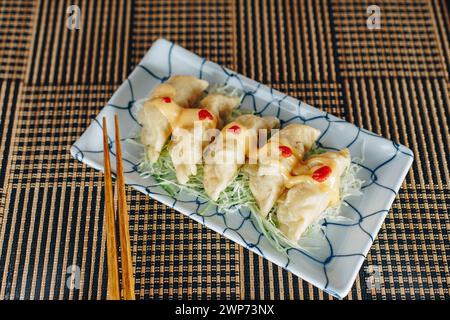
238 195
235 196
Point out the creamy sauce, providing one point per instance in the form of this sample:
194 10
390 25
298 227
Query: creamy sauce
269 157
284 166
179 117
235 136
303 172
171 110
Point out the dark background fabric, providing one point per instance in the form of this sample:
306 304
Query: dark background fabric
53 81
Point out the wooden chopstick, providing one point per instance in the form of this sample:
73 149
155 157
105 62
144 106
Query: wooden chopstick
124 229
110 217
111 241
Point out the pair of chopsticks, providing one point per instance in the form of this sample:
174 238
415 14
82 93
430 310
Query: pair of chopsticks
110 216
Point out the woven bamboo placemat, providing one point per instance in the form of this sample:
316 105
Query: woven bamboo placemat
53 81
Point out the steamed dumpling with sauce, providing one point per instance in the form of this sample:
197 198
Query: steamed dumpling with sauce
227 153
156 117
184 90
276 160
194 133
221 106
159 114
315 188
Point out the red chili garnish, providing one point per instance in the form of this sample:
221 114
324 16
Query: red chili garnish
204 114
321 174
166 99
234 129
286 152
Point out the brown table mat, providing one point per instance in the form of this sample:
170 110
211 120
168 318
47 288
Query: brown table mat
53 81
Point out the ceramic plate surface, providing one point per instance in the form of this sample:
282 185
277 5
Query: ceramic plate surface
334 264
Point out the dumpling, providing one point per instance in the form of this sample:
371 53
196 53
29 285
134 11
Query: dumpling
294 139
188 140
159 114
193 132
156 117
252 122
184 90
299 207
221 106
276 160
227 153
316 188
257 127
265 188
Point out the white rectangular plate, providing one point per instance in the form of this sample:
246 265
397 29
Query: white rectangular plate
332 267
